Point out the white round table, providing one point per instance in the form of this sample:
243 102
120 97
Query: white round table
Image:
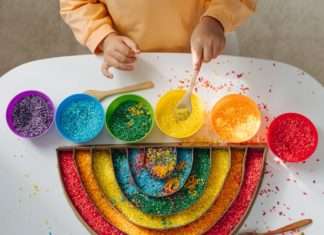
32 199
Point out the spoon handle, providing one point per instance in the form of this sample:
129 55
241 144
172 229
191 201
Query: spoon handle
290 227
100 95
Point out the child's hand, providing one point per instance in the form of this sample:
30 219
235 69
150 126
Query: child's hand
119 52
207 41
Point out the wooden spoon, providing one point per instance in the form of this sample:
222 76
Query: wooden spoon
287 228
101 95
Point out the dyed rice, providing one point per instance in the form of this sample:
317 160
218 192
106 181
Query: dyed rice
131 121
141 169
80 198
82 120
254 166
235 214
104 172
226 196
164 206
236 118
167 120
32 116
161 161
292 137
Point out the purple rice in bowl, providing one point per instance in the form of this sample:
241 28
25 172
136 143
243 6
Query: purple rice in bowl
30 114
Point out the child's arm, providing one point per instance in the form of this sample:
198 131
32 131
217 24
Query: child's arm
208 39
89 21
92 26
231 13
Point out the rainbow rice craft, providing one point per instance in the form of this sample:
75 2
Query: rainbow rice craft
214 199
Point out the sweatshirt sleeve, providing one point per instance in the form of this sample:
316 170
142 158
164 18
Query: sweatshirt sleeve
89 20
231 13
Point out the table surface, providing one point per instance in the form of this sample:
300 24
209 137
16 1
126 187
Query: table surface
32 199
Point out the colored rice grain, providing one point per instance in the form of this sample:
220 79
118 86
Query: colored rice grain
236 118
145 169
111 214
197 227
104 172
167 119
81 120
80 198
161 161
163 206
131 121
32 116
226 196
253 172
292 137
220 172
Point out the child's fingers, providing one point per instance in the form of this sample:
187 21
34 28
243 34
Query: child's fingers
125 50
122 58
131 44
218 48
208 53
126 67
105 70
197 55
118 65
215 51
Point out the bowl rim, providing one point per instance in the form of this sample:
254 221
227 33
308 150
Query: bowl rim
17 98
283 116
174 136
247 98
66 101
124 98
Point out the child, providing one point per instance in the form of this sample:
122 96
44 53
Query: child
122 28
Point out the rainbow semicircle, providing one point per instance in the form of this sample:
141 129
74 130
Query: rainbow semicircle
89 178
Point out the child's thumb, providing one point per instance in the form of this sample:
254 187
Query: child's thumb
131 44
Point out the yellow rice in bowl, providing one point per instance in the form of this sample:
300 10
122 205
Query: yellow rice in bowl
166 116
